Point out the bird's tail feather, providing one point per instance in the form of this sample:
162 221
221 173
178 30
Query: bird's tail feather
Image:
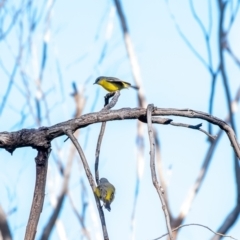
134 87
107 206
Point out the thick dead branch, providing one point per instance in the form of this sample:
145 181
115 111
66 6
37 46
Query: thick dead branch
159 189
39 193
43 136
52 220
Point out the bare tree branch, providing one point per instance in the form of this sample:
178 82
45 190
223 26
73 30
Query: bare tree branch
43 136
107 106
161 173
222 45
39 192
49 226
159 189
99 142
91 181
168 121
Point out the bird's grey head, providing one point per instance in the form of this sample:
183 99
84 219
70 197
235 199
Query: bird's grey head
98 79
103 180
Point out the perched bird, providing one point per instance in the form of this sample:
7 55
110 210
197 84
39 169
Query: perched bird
105 191
112 84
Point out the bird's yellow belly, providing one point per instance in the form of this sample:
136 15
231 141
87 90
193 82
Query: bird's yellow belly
111 87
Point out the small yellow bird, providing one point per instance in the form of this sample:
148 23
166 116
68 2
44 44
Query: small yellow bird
112 84
105 191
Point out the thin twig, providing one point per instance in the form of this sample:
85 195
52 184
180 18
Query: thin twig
199 225
185 39
39 192
90 179
107 106
159 189
198 20
99 142
168 121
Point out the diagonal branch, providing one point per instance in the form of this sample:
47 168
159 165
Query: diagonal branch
185 39
91 181
229 221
